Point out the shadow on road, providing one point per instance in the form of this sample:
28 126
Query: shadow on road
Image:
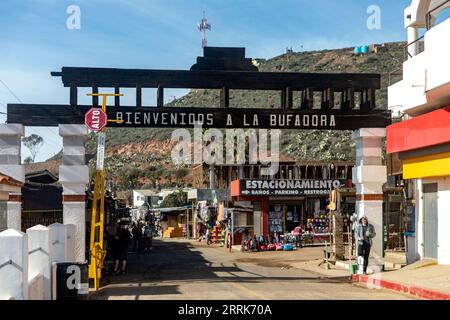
172 263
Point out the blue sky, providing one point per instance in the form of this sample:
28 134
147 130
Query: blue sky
162 34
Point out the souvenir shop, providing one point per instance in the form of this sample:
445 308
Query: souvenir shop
208 211
288 204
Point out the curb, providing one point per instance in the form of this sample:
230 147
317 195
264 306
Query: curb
402 288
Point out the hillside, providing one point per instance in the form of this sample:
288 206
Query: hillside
141 157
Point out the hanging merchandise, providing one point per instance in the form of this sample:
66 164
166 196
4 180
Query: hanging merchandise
275 220
289 216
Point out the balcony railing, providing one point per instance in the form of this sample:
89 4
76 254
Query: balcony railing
429 14
396 76
407 55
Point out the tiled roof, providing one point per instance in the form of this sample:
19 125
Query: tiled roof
7 180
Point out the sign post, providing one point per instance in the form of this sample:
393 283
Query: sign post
101 150
96 120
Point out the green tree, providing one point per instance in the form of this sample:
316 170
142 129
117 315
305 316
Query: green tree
33 143
28 160
176 199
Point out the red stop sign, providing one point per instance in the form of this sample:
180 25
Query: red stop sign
95 119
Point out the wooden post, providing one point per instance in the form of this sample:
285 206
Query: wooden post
117 98
224 97
160 96
289 98
73 95
307 99
138 96
327 99
283 99
95 98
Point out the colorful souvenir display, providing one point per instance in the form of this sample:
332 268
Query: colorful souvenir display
319 225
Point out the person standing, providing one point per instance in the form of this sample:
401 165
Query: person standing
365 232
137 237
147 237
123 238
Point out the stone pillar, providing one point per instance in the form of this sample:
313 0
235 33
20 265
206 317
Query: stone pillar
74 176
369 175
10 165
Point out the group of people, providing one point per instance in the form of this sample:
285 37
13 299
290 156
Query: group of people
204 231
142 233
137 236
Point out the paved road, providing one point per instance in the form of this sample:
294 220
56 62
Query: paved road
183 270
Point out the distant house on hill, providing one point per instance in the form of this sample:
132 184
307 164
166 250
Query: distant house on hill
140 197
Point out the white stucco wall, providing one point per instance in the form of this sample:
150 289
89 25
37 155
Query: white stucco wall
14 275
426 76
137 203
444 220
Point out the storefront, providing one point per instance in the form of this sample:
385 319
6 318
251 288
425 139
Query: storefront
423 145
279 206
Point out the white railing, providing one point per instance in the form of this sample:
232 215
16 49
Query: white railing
27 261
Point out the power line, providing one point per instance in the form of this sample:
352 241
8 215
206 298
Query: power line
10 91
55 144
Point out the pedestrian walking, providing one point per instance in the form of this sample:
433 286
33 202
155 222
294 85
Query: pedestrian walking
365 232
123 239
147 237
137 237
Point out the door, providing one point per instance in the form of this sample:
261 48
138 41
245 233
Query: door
430 220
257 216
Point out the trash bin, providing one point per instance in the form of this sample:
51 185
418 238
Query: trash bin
352 268
72 282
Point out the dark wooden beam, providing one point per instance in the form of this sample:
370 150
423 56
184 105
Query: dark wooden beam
307 99
138 96
224 97
160 96
289 98
327 100
162 117
128 78
73 95
283 100
348 99
117 99
95 98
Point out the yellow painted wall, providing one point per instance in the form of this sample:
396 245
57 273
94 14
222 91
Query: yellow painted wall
436 165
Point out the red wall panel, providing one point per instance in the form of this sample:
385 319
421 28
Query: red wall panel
424 131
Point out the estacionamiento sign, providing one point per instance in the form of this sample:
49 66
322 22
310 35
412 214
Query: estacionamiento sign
250 187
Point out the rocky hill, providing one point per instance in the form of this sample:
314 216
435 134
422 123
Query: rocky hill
141 157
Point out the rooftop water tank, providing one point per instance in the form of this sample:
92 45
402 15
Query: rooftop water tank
357 50
365 49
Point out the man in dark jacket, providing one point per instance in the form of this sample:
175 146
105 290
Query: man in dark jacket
137 237
364 234
123 238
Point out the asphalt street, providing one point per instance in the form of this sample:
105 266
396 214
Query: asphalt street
178 269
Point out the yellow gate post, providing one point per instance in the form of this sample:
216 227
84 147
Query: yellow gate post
97 248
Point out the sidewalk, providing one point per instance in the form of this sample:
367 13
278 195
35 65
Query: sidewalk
307 258
424 279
